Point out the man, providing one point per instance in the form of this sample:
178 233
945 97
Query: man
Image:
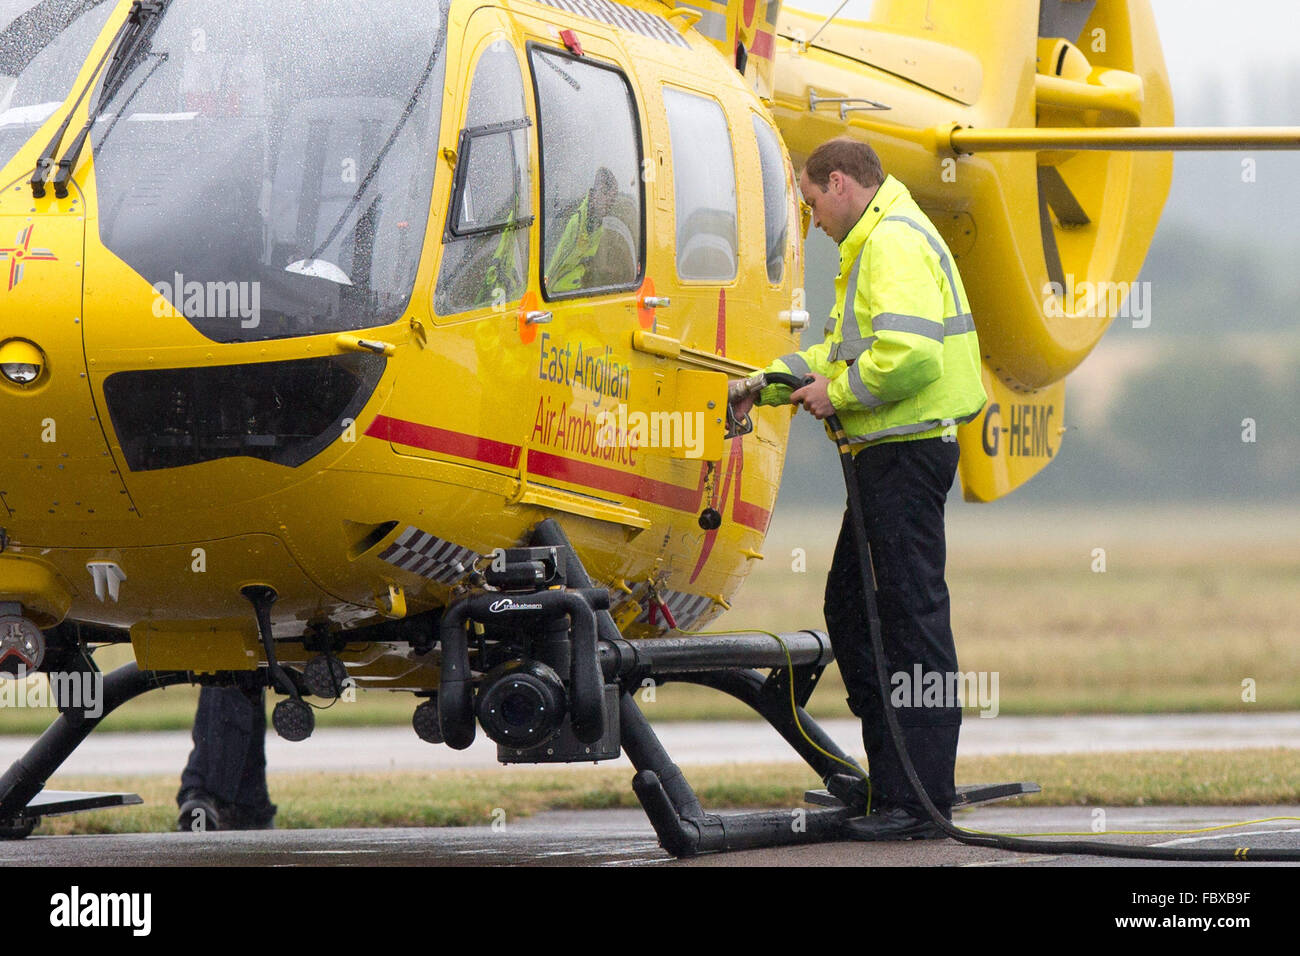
223 786
900 366
580 241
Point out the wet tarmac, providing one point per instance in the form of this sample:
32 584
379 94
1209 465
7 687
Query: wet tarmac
625 838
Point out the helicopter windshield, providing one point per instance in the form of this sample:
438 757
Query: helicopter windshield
43 45
268 166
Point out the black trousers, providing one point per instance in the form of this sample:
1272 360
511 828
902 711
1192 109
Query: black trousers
903 487
229 756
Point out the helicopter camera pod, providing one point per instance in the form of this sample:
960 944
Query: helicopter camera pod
565 747
522 703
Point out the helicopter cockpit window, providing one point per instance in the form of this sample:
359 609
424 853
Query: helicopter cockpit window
268 167
592 237
704 178
485 257
43 47
776 200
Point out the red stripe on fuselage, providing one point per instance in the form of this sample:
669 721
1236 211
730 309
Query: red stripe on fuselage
547 465
441 440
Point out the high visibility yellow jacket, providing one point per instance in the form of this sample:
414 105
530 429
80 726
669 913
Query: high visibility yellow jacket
900 349
577 246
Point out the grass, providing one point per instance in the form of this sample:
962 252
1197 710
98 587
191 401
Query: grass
472 798
1190 605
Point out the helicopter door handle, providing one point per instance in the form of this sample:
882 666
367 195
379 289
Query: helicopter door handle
656 302
354 343
538 318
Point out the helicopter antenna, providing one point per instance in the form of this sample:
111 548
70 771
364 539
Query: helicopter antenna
826 23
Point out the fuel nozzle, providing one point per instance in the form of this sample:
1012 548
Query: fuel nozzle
745 387
739 390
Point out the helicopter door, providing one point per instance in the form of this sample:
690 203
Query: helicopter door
474 410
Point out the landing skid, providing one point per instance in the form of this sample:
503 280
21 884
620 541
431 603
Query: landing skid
968 795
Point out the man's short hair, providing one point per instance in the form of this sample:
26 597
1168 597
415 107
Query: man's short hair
850 157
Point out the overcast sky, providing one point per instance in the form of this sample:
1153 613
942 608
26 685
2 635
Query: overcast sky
1255 37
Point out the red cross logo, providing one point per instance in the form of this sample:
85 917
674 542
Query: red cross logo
21 252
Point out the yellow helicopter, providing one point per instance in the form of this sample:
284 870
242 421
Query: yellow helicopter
389 343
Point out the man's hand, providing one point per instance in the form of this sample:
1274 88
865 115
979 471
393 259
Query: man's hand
814 398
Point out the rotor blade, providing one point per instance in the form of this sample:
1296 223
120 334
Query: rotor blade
1052 186
1051 255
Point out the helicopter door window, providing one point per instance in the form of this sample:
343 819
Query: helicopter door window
592 233
776 198
704 178
492 181
485 258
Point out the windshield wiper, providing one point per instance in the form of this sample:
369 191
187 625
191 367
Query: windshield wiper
126 43
143 20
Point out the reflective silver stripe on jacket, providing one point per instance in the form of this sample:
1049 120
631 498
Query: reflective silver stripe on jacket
851 351
959 324
794 361
851 343
914 428
916 324
860 390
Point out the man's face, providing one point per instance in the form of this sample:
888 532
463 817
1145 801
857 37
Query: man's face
603 200
830 206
